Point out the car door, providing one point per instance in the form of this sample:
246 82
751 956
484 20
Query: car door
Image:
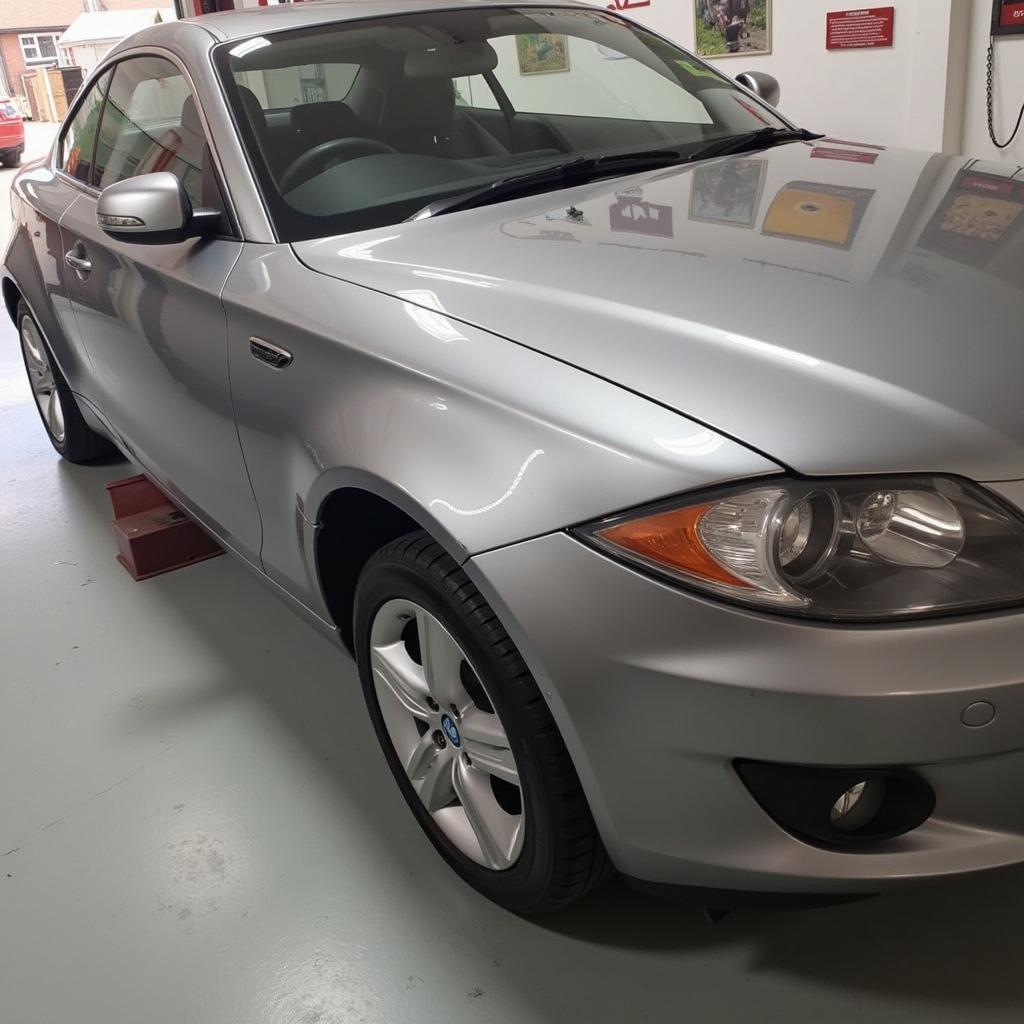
150 316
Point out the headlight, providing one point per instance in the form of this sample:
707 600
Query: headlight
851 549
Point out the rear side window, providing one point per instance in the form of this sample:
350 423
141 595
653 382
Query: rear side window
150 123
79 139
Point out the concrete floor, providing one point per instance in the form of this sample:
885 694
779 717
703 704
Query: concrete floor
196 826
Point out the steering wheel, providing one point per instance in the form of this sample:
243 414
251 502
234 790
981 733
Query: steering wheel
333 151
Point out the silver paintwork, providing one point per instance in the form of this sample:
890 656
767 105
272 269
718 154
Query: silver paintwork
452 777
40 378
147 203
503 373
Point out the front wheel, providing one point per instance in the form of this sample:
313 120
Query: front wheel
468 735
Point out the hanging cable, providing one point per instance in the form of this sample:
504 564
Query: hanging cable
989 90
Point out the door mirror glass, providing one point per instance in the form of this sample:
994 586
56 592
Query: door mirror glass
761 84
152 209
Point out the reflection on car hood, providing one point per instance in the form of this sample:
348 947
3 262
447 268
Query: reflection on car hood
841 308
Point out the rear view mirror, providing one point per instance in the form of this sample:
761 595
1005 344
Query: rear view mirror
761 84
152 209
455 60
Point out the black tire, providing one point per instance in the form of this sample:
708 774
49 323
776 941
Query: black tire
562 855
80 444
11 157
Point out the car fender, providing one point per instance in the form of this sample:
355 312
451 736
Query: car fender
482 441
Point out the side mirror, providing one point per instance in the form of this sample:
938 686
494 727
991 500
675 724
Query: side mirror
761 84
152 209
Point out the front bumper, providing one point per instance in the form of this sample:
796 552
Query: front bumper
658 691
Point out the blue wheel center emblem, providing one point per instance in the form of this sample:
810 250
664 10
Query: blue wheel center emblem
451 730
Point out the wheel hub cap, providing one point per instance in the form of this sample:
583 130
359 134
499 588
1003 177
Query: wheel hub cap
444 729
451 730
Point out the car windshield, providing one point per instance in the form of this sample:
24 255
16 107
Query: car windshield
364 123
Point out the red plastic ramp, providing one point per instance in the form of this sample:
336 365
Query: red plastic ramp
153 534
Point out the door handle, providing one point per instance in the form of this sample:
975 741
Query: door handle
81 265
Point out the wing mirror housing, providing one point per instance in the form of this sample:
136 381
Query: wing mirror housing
153 209
761 84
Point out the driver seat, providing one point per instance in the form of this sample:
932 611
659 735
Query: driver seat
420 116
314 123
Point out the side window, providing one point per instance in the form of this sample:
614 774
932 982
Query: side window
473 91
79 138
150 123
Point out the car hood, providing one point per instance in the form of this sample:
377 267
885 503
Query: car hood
839 307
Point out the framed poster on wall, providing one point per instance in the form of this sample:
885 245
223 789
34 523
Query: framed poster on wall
733 28
540 53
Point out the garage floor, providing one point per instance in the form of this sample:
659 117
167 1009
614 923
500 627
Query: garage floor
196 826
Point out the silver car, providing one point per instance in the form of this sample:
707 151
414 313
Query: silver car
660 463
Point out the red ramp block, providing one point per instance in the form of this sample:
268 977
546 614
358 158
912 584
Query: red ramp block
153 534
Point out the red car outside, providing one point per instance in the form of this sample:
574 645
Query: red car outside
12 133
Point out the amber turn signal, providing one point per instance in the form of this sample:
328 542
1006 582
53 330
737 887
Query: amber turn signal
672 540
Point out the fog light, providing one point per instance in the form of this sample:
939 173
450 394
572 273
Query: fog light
841 808
858 805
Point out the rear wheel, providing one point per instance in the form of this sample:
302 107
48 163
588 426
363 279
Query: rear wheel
11 158
467 734
68 432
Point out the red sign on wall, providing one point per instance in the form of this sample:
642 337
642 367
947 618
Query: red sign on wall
857 30
1011 15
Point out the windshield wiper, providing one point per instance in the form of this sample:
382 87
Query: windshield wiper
571 172
762 138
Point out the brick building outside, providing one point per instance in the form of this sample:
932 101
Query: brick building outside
29 30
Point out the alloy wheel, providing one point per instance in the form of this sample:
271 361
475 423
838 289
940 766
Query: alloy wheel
446 733
41 379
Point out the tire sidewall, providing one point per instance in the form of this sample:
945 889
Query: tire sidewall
522 885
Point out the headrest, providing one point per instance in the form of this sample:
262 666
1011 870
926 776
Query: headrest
423 103
253 109
452 60
190 116
332 118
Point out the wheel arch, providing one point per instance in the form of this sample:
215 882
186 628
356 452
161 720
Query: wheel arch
12 295
357 513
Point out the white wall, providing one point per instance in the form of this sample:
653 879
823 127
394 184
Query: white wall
1009 88
892 96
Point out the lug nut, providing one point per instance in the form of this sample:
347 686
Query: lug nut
432 704
466 760
439 738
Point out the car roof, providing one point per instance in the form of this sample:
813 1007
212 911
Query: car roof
258 20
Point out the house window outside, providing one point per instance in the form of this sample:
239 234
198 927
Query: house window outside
40 48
